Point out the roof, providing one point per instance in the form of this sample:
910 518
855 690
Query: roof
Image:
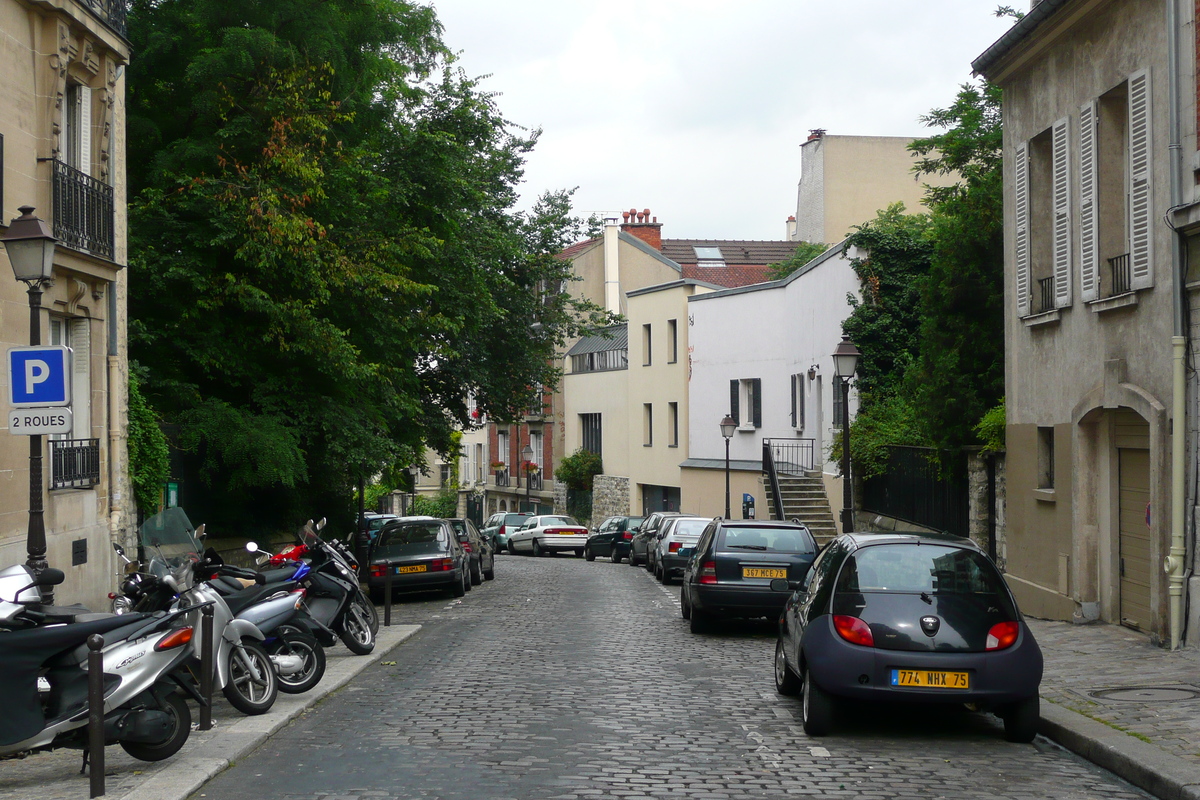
662 287
1016 34
743 261
832 252
578 248
615 337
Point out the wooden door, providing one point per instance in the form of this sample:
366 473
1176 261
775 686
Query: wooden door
1134 487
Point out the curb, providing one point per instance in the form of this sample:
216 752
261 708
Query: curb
187 774
1144 765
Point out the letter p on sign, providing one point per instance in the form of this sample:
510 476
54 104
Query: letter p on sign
39 376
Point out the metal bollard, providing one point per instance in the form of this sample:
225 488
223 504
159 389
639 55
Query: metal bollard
95 643
387 597
206 667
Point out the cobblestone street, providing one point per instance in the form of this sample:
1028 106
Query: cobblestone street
564 679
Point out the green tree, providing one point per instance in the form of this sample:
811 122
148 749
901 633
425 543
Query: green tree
328 258
149 456
805 253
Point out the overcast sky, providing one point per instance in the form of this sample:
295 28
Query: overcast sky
696 109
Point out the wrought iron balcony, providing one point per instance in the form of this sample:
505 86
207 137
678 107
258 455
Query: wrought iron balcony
110 12
535 481
502 477
74 463
1120 274
83 211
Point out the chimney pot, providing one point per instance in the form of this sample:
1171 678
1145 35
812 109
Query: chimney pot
625 215
646 213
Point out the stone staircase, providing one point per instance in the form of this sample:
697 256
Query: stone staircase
804 498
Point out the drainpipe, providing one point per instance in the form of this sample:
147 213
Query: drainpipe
1173 565
114 419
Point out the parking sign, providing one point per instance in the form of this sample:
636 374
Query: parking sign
39 376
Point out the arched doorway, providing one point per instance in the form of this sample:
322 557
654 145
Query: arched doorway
1131 435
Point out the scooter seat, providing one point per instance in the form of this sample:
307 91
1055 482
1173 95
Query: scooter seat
239 601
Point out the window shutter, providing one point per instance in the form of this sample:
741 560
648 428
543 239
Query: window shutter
85 130
1062 214
801 388
793 401
1140 245
1021 246
757 384
1089 267
733 402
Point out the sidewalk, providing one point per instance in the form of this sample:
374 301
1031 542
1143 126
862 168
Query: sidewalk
1111 696
55 775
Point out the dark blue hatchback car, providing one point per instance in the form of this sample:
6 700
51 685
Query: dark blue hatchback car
907 617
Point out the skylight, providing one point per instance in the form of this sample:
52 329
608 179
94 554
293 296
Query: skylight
709 257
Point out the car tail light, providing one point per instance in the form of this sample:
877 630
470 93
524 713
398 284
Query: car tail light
673 547
378 570
627 535
853 630
1002 635
176 638
708 572
466 546
441 564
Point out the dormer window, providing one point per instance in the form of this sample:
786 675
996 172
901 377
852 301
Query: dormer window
709 257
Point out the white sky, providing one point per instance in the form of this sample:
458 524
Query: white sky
696 109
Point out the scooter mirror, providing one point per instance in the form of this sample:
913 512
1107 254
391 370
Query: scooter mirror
49 577
120 550
252 547
321 524
200 533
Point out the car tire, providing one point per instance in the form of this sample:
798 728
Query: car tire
537 549
701 621
588 555
579 553
512 550
490 574
458 589
659 576
616 559
632 559
786 681
685 607
467 582
1021 720
816 710
477 575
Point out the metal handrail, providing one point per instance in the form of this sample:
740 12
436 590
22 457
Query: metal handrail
768 460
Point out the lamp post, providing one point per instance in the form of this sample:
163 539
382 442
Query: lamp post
413 472
728 426
30 246
845 362
527 458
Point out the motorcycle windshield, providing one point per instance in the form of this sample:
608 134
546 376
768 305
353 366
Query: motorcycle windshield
169 540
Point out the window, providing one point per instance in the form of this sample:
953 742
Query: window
1045 457
478 470
672 342
590 427
601 361
444 475
745 402
75 457
645 345
839 386
798 386
535 444
1043 199
709 257
77 128
673 422
502 449
647 424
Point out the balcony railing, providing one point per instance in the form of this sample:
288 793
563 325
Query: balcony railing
1120 274
74 463
502 477
83 211
535 481
1046 292
110 12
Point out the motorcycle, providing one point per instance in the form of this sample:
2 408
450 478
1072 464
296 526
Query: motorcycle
44 675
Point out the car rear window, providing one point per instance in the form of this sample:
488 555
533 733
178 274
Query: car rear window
689 528
913 568
770 540
411 533
515 519
557 521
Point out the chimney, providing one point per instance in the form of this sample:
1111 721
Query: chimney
791 229
643 226
816 133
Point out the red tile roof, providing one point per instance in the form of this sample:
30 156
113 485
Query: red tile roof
577 248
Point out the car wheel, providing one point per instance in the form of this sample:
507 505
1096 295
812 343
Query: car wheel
537 549
816 712
579 553
685 607
467 582
632 559
512 551
700 621
588 555
476 575
1021 720
458 589
786 681
616 559
490 574
658 573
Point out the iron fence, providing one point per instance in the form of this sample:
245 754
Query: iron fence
74 463
502 477
1120 274
920 488
83 211
535 481
110 12
791 456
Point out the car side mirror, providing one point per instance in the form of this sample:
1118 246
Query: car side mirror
686 552
784 585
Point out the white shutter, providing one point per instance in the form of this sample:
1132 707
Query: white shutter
1089 268
79 333
1021 248
1062 213
1141 251
85 130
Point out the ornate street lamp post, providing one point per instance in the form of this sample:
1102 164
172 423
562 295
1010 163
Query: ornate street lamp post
845 362
527 458
728 426
30 247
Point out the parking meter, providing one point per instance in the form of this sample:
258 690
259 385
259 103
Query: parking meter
747 505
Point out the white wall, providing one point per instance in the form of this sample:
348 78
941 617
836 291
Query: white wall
769 331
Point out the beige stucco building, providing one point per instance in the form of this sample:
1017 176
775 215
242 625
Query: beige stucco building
1099 472
846 180
62 143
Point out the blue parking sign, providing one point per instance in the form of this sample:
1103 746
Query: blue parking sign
39 376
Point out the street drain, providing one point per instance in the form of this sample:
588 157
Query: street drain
1147 694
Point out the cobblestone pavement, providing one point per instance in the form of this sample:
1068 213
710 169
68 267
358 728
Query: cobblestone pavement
567 679
1118 677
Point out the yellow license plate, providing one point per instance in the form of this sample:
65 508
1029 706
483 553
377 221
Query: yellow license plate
931 679
413 568
763 572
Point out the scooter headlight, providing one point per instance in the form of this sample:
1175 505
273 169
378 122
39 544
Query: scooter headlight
121 604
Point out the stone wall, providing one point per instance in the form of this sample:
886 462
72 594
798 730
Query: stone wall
610 497
560 497
977 488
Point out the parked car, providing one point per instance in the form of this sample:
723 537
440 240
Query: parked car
729 572
500 525
612 538
646 537
479 551
907 617
419 554
678 536
552 533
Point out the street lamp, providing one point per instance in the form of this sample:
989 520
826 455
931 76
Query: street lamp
413 472
845 362
527 458
728 426
30 247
